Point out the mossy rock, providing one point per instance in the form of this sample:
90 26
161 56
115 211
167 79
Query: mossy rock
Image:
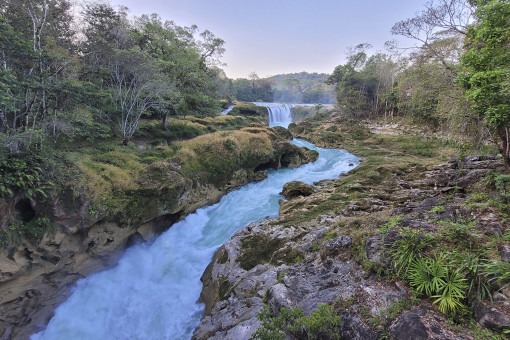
257 249
296 188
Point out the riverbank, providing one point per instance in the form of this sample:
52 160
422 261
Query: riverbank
356 244
122 195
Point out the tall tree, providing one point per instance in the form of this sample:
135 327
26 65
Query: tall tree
440 20
136 87
487 57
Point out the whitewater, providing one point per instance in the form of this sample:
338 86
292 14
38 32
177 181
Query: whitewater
153 292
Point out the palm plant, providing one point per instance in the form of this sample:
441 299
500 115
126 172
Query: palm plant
435 278
407 249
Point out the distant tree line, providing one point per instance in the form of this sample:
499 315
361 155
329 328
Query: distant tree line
285 88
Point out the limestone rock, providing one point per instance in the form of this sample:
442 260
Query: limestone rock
490 317
333 246
504 250
297 188
423 323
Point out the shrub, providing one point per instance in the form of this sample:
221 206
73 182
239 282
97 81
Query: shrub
324 323
434 278
23 175
407 249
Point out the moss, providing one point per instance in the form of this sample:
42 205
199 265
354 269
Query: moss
223 257
215 157
224 288
248 109
293 256
257 249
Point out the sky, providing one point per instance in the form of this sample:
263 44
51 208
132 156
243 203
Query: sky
272 37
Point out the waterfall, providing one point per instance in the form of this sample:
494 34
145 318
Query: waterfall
278 113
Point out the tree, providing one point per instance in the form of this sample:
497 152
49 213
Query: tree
36 54
487 58
441 19
136 87
428 89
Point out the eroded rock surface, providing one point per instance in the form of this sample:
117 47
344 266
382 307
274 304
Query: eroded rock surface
280 263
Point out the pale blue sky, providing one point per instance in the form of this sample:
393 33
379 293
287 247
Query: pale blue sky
283 36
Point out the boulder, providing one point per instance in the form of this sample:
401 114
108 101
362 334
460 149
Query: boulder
490 317
296 188
423 322
504 251
409 326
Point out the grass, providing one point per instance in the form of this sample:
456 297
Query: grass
388 161
217 156
110 173
130 183
257 249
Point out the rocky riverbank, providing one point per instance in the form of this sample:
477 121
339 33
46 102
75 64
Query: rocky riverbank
335 244
35 278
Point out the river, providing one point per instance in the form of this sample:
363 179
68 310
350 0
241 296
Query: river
152 293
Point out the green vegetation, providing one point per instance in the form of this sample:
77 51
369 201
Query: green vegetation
487 59
324 323
257 249
433 278
121 181
450 260
302 87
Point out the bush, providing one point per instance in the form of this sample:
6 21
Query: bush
22 174
324 324
434 278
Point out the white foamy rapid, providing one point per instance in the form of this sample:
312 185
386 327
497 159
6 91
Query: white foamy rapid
227 110
278 113
152 293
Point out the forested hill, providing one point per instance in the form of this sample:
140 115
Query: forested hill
300 87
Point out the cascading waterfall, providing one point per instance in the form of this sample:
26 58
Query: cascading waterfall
152 293
278 114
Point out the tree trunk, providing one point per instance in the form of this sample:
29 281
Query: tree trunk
504 146
165 122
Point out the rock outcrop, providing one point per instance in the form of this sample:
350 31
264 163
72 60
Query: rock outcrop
285 262
297 188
